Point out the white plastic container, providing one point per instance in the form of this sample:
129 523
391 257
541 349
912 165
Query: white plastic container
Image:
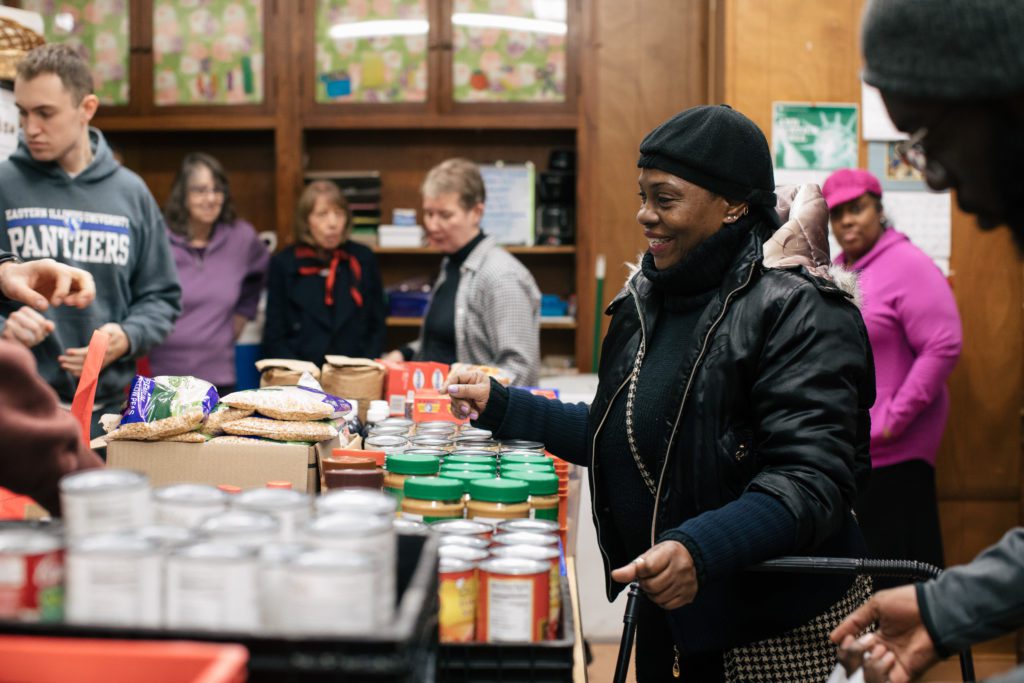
104 501
241 527
186 505
113 580
213 586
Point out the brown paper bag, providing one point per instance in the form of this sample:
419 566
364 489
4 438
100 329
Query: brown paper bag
284 371
361 379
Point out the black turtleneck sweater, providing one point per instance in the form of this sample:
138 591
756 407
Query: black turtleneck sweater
439 325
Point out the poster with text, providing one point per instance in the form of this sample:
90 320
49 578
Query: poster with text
814 137
371 51
98 30
207 52
509 50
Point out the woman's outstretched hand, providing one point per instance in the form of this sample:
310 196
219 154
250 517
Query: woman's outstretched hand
470 390
666 574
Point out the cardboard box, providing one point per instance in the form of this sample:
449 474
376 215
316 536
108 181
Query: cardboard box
429 405
406 378
222 463
359 379
284 371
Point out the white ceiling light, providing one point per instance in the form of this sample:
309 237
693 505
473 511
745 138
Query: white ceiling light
373 29
509 23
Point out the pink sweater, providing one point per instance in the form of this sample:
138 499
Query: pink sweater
914 329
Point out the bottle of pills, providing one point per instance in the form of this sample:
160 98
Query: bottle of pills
543 492
495 500
401 466
432 499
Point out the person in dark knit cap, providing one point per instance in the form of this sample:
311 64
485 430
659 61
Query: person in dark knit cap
951 73
730 423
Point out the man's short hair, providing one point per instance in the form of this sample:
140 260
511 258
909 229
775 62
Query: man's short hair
457 175
65 63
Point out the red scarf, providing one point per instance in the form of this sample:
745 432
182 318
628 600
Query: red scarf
337 256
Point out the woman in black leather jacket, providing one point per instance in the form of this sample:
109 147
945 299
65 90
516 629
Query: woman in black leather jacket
730 424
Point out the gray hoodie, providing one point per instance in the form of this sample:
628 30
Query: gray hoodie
105 221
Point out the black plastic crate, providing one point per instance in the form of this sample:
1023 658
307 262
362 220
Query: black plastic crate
550 661
406 652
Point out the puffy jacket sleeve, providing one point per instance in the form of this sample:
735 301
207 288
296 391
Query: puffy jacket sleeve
814 384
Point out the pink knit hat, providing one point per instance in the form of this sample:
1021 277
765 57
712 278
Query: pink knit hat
848 184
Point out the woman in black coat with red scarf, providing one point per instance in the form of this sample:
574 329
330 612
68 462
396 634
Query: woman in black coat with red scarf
324 293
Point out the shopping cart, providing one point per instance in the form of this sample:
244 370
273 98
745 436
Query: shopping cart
904 569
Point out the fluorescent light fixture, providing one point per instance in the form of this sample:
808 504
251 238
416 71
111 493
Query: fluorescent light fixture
373 29
509 23
552 10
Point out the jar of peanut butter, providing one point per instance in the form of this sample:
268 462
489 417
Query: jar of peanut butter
401 466
432 499
495 500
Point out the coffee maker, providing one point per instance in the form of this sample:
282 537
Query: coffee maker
556 208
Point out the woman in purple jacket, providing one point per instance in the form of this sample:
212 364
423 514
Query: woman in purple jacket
222 265
914 330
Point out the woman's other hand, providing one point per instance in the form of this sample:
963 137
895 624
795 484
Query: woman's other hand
666 574
470 390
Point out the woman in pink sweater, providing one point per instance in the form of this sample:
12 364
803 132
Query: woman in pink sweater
914 329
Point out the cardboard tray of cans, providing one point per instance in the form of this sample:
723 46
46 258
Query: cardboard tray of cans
541 662
407 652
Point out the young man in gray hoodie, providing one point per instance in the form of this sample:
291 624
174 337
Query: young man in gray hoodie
63 196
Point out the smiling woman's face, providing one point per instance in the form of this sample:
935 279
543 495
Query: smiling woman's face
676 215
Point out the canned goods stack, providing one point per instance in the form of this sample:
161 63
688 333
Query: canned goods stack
499 584
189 556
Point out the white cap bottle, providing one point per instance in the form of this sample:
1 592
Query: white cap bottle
377 411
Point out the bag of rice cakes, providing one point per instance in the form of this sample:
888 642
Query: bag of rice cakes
282 430
289 403
164 406
220 416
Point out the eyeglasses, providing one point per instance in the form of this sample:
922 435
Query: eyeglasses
202 191
912 153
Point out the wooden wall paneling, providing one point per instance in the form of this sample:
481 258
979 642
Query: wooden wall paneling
290 92
647 60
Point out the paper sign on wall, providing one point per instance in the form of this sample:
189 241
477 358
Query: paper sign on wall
509 212
8 124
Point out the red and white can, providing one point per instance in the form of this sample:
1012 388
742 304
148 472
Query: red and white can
31 575
458 588
514 600
553 558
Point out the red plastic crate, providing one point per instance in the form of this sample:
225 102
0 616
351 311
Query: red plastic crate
27 659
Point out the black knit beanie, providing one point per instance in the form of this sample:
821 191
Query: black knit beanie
944 49
717 148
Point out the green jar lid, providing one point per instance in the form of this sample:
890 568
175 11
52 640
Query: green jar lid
526 467
540 483
488 460
433 488
466 476
527 458
465 466
499 490
405 463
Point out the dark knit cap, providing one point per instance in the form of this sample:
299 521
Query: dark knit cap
717 148
944 49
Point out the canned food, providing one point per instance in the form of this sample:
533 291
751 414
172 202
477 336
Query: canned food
327 594
273 569
166 536
466 541
470 432
387 443
213 586
521 445
463 527
357 501
241 527
424 450
113 580
31 575
347 462
290 508
463 552
514 600
397 422
479 443
363 479
185 505
539 526
103 501
526 538
387 430
458 591
436 427
471 450
363 534
554 560
408 527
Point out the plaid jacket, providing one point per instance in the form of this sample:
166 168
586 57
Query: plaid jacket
497 314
